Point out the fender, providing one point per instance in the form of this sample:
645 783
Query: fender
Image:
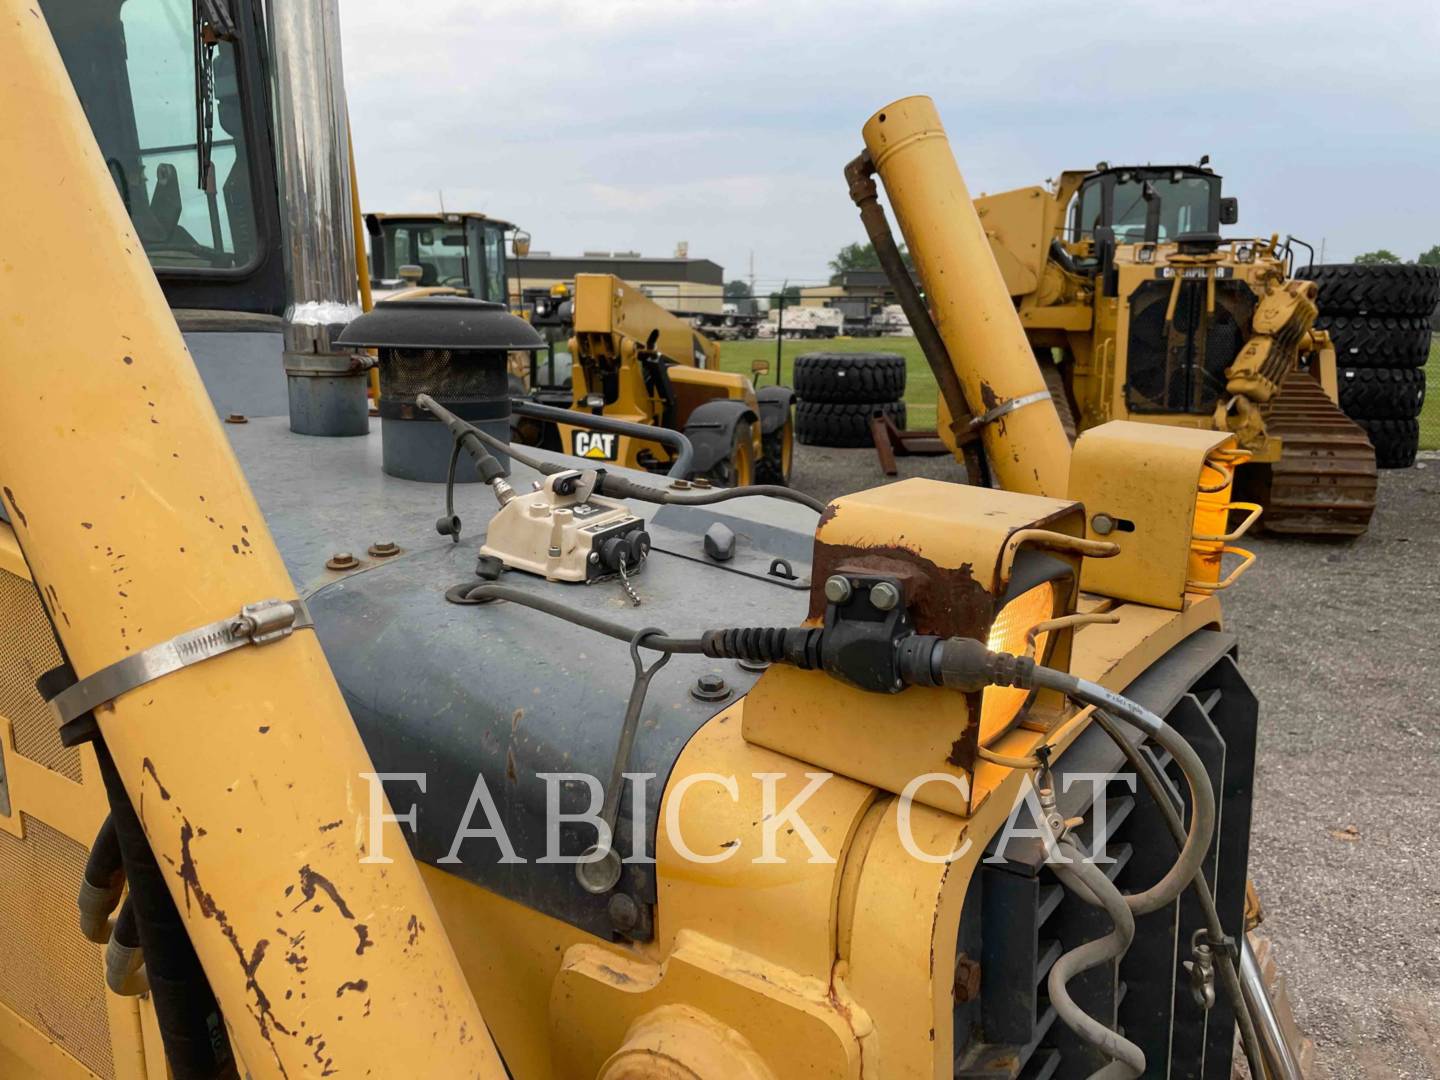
775 405
711 430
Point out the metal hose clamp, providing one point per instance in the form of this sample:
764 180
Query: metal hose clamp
254 624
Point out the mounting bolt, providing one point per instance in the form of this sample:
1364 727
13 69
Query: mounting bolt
624 913
884 596
837 589
701 482
237 418
1103 524
342 560
384 549
710 687
680 485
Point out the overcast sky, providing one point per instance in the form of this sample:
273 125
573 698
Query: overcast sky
635 124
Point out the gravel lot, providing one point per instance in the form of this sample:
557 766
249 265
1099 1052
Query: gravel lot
1339 640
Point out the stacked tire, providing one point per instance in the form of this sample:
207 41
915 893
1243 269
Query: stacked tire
1379 318
838 393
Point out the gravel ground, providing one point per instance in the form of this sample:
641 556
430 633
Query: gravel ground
1339 640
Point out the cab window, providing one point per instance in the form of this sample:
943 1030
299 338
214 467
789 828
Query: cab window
163 97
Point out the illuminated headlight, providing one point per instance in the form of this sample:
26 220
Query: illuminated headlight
1039 591
1145 255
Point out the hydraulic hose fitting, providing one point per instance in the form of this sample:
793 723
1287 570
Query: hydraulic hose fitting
798 646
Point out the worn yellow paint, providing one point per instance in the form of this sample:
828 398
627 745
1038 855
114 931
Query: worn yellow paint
28 1054
1026 449
137 524
1147 475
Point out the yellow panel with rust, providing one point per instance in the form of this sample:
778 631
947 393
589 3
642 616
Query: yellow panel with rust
1146 474
951 536
781 910
789 1023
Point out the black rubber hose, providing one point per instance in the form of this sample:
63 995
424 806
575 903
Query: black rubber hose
102 883
622 487
191 1025
1225 962
677 441
586 619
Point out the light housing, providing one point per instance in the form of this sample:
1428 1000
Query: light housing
1041 589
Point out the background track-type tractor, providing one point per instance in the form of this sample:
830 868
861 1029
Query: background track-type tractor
821 806
1139 309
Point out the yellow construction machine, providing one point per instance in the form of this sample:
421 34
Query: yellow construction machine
461 253
634 362
292 786
1139 309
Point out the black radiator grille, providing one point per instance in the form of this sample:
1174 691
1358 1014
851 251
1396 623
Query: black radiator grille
1018 919
1182 369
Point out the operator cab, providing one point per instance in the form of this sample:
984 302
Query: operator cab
1117 198
178 102
461 251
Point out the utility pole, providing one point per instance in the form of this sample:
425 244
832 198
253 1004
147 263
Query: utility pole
780 332
1322 249
752 272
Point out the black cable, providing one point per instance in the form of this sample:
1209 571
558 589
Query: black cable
1229 976
621 487
620 632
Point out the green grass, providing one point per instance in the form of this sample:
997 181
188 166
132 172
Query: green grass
1430 414
920 390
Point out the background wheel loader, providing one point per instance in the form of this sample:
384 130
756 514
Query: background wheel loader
1122 274
848 745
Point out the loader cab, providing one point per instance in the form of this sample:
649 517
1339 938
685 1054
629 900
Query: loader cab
458 251
1115 198
179 105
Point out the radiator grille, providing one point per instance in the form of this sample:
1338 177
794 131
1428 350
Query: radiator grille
49 974
27 651
1182 369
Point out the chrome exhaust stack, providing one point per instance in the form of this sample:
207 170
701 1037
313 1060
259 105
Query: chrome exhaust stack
326 382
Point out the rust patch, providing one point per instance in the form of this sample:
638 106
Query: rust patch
149 766
415 928
328 826
310 882
10 498
128 360
947 602
363 933
357 985
265 1018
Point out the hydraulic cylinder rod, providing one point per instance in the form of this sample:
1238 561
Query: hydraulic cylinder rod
138 525
1024 443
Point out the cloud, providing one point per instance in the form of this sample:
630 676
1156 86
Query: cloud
638 123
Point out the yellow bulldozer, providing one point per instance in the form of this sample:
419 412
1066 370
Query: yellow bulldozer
1139 309
296 781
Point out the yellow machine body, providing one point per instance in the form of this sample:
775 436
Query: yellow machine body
1276 388
782 948
622 341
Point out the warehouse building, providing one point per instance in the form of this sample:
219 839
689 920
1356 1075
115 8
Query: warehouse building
677 283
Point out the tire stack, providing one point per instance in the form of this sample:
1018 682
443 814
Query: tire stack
1379 318
838 393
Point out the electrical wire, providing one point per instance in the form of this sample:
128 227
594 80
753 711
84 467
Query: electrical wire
484 593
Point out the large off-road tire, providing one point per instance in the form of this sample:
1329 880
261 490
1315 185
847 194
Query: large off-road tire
1395 441
821 423
777 454
1398 289
1394 341
738 468
849 377
1382 393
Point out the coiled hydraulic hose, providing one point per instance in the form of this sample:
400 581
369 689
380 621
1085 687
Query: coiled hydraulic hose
1087 879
